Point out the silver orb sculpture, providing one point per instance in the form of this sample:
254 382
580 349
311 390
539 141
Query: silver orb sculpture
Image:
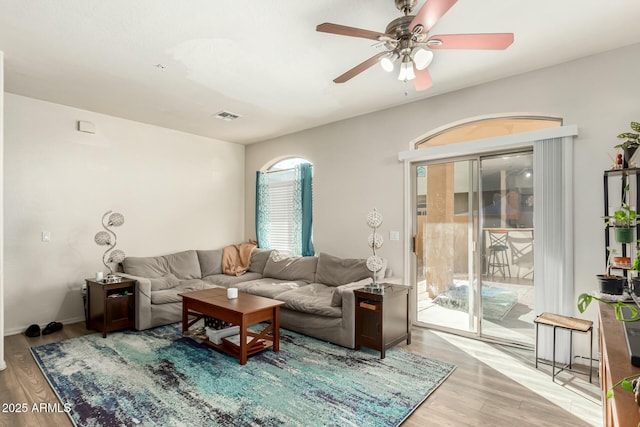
116 219
116 256
109 238
374 262
102 238
375 241
374 219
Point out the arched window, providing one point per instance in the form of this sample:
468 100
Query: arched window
487 127
284 211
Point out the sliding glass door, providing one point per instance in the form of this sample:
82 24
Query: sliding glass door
473 246
507 247
446 223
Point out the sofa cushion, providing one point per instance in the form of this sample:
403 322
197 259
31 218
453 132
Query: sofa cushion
165 282
184 265
210 262
231 281
314 299
335 271
259 258
148 267
171 295
268 287
293 268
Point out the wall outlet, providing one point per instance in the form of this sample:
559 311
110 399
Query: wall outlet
394 235
46 236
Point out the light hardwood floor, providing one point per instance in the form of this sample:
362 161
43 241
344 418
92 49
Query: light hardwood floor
491 386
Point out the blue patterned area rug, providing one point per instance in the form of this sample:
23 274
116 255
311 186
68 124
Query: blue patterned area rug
158 377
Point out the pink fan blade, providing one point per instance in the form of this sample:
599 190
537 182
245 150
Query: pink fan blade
343 30
430 13
422 80
360 68
495 41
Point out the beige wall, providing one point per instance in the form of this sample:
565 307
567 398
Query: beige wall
176 191
356 167
3 365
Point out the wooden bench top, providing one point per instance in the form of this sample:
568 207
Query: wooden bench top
564 322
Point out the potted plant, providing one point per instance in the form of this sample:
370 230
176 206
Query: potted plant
631 144
635 280
610 283
630 383
623 220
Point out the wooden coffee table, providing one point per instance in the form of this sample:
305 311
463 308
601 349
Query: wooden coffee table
243 311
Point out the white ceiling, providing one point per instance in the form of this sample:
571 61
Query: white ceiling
263 59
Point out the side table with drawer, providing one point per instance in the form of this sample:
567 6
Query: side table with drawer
382 318
111 306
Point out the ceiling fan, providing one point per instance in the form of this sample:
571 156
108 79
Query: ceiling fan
407 40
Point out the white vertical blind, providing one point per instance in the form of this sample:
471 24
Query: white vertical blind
553 249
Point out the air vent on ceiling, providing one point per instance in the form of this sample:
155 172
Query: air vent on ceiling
227 116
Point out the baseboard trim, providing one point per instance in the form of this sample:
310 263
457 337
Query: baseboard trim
20 330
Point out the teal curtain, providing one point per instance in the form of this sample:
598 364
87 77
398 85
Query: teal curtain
301 220
263 217
306 176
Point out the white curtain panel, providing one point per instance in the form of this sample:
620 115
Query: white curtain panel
553 249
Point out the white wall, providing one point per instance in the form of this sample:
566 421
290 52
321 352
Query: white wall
177 191
3 365
356 167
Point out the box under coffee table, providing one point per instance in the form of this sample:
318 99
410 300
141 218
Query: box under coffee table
244 311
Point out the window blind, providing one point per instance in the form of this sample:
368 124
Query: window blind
281 189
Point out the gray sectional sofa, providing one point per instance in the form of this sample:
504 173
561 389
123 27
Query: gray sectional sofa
317 290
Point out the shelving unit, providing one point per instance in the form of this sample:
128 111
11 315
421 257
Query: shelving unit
629 176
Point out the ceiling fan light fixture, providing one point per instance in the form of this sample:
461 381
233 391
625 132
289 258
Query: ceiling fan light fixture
407 41
387 64
410 73
421 58
406 71
402 76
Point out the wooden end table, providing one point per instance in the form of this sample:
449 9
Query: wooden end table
382 318
111 306
244 311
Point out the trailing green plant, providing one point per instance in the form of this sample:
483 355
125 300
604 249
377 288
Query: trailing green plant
636 263
585 299
632 139
629 383
625 217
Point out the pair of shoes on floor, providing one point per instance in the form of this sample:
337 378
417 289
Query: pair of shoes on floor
34 330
